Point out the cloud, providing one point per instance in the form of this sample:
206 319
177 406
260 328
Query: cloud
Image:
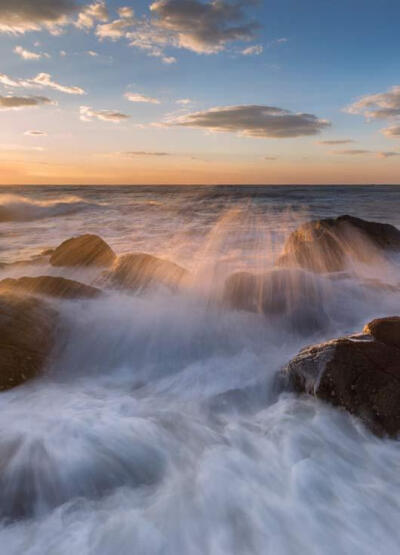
378 106
393 131
352 152
92 13
387 154
255 50
270 158
42 80
275 42
19 102
204 27
126 12
184 101
33 133
115 29
253 121
32 15
134 153
336 142
137 97
27 54
360 152
89 114
92 53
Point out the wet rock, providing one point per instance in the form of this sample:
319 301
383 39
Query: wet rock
358 373
327 245
139 271
85 250
52 286
26 337
386 330
291 293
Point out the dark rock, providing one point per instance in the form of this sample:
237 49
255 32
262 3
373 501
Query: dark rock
327 245
26 338
357 373
52 286
86 250
292 293
385 330
139 271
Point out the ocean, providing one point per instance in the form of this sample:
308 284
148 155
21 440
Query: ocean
160 428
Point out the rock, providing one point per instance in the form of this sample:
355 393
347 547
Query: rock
386 330
327 245
52 286
358 373
139 271
26 330
291 293
85 250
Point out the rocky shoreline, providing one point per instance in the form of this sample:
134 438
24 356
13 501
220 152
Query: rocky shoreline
360 373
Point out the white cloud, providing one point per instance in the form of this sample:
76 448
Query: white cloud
19 102
88 114
27 54
91 14
137 97
126 11
253 121
378 106
42 80
92 53
184 101
115 29
255 50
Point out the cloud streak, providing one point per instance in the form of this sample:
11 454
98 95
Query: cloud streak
253 121
19 102
42 80
336 142
137 97
88 114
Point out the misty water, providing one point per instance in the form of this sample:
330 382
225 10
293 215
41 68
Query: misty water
159 427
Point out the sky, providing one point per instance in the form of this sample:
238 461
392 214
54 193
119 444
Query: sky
199 92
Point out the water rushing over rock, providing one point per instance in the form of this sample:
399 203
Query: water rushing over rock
159 426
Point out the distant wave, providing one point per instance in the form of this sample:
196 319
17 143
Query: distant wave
17 208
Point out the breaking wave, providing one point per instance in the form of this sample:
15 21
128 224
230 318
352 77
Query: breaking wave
17 208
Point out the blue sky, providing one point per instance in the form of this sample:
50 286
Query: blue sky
264 84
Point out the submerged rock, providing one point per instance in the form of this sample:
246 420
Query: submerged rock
291 293
139 271
85 250
26 331
359 373
327 245
52 286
